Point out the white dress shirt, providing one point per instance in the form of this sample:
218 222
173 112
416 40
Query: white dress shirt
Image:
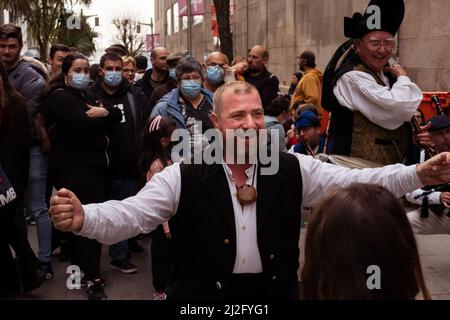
114 221
387 107
248 258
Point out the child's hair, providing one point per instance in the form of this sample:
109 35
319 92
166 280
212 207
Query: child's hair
237 60
351 230
151 149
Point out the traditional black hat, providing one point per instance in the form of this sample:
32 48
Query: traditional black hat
391 17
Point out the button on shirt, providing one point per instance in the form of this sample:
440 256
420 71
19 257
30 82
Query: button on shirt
248 258
114 221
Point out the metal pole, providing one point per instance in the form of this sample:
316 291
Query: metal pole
189 39
153 35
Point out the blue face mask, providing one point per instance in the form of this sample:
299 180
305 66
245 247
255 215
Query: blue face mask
173 74
191 88
113 78
80 81
214 75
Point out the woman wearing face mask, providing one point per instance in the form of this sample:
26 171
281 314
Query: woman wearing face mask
79 154
189 105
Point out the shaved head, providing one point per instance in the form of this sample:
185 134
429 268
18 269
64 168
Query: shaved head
217 56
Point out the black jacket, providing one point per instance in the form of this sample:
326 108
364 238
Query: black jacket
267 85
126 136
145 84
15 138
75 138
204 232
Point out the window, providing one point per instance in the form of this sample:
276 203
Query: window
169 21
176 18
197 20
184 22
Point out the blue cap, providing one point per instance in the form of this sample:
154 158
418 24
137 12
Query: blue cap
307 119
439 123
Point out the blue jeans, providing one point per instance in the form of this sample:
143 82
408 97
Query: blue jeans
35 200
120 189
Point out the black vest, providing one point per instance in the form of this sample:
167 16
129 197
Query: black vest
204 234
352 134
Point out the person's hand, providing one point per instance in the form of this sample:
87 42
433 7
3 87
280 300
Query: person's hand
168 235
96 112
396 70
66 211
445 199
435 171
424 138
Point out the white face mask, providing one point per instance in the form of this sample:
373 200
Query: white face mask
138 76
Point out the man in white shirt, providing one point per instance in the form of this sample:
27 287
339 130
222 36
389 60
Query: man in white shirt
231 244
370 100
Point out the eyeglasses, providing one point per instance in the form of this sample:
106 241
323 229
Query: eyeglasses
376 44
128 70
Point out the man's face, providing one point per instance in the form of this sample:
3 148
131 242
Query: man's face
419 118
256 62
216 60
309 135
159 61
375 49
239 111
441 139
10 50
110 66
129 72
57 61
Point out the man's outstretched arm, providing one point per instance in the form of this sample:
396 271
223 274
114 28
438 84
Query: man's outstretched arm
319 177
114 221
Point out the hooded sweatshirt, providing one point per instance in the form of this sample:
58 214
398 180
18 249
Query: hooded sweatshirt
309 89
125 137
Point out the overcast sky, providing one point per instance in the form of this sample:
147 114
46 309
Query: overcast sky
107 10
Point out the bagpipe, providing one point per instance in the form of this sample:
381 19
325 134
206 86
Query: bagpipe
438 209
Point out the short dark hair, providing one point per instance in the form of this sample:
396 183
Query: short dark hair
141 62
118 49
188 65
279 105
109 57
11 30
310 58
58 47
69 60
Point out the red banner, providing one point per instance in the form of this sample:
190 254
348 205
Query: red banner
153 41
197 8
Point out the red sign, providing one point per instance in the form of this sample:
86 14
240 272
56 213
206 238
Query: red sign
214 24
153 41
197 8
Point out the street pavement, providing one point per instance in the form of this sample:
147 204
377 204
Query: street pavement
434 251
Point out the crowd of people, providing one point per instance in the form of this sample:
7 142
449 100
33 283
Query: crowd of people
97 140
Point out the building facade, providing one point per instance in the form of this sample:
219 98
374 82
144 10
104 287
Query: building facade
288 27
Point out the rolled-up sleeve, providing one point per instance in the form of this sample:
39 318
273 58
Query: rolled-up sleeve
156 203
